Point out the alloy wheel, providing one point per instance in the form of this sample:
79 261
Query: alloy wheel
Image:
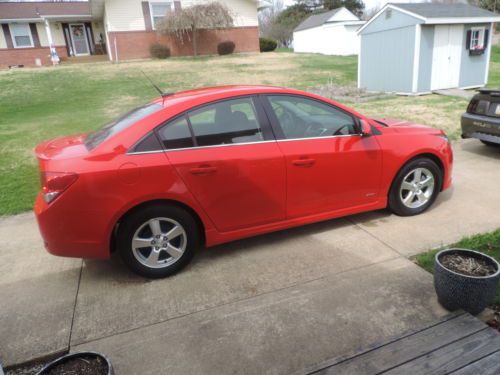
159 242
417 188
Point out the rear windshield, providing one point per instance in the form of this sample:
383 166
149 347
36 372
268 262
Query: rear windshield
107 131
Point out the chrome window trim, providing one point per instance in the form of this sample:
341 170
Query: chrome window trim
243 144
326 137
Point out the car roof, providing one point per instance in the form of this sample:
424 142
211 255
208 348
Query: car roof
207 94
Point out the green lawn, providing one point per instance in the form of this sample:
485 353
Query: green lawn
39 104
488 243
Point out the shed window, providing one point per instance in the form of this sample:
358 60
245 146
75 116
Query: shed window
477 39
159 10
21 35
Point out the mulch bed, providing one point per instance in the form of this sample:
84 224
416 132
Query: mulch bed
468 266
84 365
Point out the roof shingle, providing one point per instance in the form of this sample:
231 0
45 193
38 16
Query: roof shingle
316 20
444 11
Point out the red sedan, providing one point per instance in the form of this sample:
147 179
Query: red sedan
213 165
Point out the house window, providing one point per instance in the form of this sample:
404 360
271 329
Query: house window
477 39
21 35
159 10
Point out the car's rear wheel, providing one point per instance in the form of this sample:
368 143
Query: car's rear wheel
491 144
158 240
415 187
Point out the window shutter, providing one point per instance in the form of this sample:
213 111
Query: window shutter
469 36
486 38
8 37
34 35
177 5
147 15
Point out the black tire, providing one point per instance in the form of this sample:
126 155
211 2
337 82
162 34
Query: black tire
396 204
490 144
138 219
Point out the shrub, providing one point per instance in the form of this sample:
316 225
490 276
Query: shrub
225 48
267 44
159 51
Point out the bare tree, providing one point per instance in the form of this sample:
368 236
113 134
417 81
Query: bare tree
268 15
186 22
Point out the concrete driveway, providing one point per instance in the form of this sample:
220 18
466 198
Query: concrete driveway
270 304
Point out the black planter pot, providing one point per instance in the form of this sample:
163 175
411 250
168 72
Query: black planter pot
470 293
67 357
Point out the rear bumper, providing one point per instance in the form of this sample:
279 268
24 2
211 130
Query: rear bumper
484 128
67 233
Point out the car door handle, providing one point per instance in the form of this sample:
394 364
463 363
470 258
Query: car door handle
304 162
203 169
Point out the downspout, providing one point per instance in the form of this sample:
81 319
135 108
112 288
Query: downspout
53 52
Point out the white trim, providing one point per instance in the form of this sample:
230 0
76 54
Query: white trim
40 19
390 6
13 38
20 20
435 21
480 38
359 62
432 21
490 40
416 57
172 8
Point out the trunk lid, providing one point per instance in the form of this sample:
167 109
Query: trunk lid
66 147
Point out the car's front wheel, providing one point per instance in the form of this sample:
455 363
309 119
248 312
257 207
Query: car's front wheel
158 240
415 187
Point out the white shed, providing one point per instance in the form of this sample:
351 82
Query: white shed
329 33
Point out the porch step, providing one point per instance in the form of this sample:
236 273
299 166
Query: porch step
84 59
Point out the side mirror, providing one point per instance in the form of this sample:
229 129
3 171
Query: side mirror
366 129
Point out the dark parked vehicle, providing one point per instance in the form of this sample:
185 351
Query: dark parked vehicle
482 119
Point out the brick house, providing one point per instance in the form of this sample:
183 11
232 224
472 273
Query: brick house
36 33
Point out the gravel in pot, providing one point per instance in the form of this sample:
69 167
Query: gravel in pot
86 363
465 279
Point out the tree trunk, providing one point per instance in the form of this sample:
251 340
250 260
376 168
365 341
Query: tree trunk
193 36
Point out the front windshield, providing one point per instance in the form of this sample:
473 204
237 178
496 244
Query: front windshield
107 131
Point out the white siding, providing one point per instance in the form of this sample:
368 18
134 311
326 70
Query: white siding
328 40
3 43
244 12
343 15
57 34
126 15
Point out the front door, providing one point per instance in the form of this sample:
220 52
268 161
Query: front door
79 39
233 167
330 166
446 56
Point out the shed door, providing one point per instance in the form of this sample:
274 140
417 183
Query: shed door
446 56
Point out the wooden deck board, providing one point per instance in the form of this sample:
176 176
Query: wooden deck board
409 347
489 365
459 343
454 356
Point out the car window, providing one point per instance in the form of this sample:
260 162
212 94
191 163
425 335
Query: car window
96 138
176 134
301 117
227 122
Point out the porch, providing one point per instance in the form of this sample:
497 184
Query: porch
48 33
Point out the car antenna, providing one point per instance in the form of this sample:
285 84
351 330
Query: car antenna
162 93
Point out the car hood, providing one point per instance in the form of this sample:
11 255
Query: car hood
406 126
62 147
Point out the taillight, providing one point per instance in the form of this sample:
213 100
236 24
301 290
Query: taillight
472 106
54 183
